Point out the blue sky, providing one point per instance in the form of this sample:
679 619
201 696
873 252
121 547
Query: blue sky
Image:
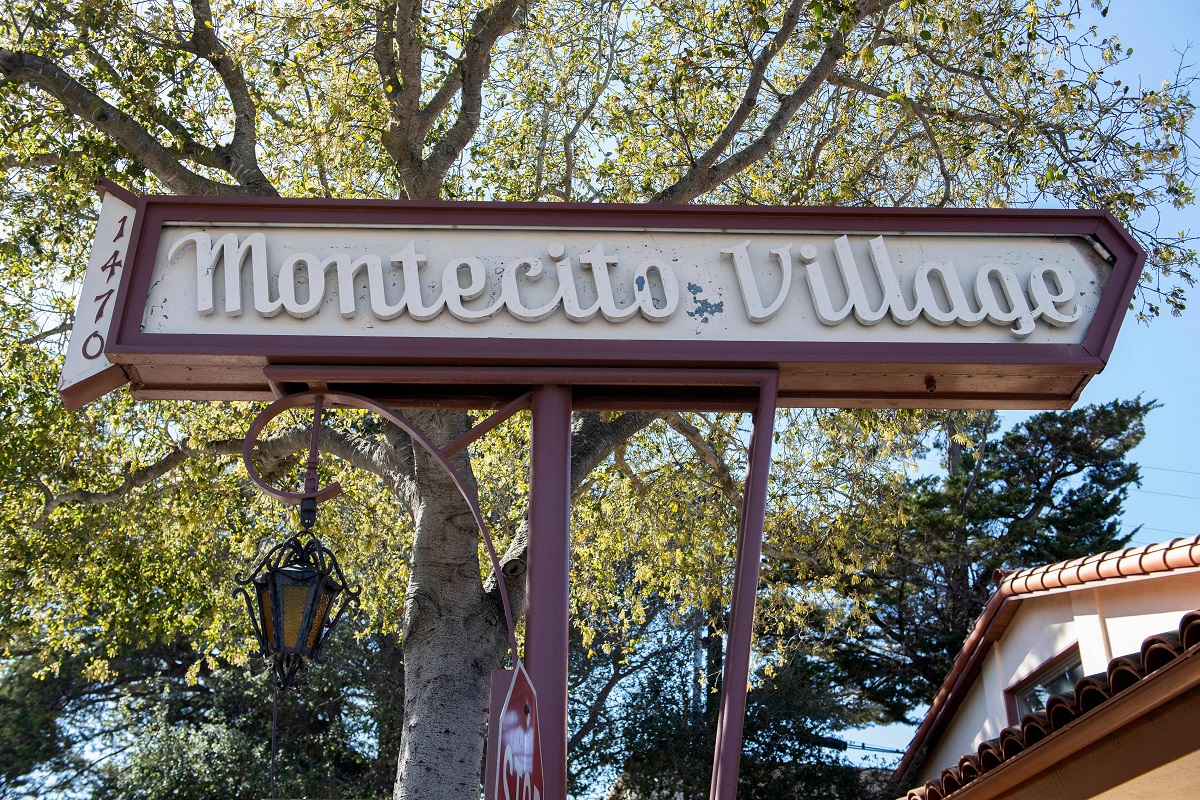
1159 360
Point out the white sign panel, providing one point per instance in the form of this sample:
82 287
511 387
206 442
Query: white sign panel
622 285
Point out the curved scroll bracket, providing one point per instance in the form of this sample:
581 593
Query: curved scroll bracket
442 456
260 422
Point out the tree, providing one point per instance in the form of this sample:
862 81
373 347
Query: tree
660 739
150 731
643 687
1049 489
648 579
653 587
811 101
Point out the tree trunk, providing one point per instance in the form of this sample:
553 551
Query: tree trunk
453 633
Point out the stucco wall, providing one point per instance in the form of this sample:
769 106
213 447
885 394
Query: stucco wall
1105 619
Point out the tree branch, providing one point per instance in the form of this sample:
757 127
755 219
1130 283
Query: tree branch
849 82
424 178
140 477
240 153
35 160
632 667
381 50
593 440
37 337
25 67
397 52
188 148
753 86
947 181
568 139
710 457
356 450
450 86
701 177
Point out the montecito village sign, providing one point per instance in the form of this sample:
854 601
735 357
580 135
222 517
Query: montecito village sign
855 307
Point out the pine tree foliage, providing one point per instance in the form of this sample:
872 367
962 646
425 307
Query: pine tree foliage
1047 490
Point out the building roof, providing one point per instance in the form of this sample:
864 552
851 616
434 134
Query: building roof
1129 563
1132 563
1092 693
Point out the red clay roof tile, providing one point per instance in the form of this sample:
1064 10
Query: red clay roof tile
1134 561
990 755
1091 691
1033 728
1088 694
1189 629
1160 650
1125 671
1181 553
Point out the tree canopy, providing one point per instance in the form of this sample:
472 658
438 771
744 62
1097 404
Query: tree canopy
121 526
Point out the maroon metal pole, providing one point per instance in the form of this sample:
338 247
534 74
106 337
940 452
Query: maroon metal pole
547 577
731 716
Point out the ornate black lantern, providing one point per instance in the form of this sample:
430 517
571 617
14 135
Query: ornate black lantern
290 596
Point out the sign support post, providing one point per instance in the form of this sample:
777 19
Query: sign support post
547 576
732 712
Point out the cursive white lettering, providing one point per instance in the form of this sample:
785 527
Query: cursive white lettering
939 293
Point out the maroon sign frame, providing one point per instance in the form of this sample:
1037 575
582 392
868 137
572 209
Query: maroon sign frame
847 374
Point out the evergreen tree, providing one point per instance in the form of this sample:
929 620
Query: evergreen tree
1049 489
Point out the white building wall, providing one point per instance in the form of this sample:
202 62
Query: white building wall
1104 619
972 717
1137 609
1042 628
1095 649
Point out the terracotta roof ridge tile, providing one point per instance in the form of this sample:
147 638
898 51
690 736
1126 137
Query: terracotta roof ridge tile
1179 553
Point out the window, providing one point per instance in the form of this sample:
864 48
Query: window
1056 676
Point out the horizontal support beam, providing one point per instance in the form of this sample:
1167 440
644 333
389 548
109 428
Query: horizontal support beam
521 376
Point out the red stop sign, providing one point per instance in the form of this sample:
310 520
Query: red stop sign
518 773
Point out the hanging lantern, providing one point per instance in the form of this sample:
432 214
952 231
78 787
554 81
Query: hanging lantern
290 596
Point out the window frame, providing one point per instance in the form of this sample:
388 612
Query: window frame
1036 676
